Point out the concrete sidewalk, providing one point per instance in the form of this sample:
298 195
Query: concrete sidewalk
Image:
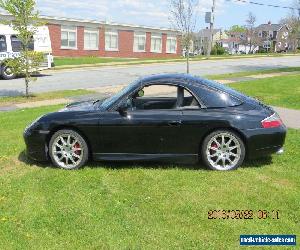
290 117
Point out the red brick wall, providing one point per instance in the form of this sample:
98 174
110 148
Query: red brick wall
126 39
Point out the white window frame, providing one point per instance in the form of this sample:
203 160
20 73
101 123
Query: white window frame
111 33
156 36
88 32
136 41
171 39
69 29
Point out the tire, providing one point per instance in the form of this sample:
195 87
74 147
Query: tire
7 74
68 150
217 155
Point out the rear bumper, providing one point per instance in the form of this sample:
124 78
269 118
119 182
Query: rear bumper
262 142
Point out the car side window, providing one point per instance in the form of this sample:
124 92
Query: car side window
213 98
16 44
163 96
154 97
190 101
3 45
160 91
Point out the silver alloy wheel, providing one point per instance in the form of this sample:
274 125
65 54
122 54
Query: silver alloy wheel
67 151
223 151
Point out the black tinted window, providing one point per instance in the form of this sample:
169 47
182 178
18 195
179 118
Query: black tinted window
3 47
16 44
212 98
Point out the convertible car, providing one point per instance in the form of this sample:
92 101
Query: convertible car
170 117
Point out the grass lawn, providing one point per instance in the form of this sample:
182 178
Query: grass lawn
60 62
251 73
44 96
63 61
282 91
124 206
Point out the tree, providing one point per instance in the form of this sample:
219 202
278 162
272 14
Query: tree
293 23
252 38
183 17
237 28
25 21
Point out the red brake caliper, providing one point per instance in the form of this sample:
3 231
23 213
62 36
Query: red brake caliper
214 146
77 148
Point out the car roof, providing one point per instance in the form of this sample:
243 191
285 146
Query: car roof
171 76
189 80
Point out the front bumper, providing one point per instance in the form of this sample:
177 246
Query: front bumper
262 142
36 146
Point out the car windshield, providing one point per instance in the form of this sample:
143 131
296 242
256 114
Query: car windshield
108 102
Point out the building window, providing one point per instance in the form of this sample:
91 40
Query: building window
156 43
111 40
139 42
171 45
267 44
68 37
91 39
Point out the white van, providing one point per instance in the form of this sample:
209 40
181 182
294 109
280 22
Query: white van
10 47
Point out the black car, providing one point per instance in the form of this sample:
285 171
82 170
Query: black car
162 117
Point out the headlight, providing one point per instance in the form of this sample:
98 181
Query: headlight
33 124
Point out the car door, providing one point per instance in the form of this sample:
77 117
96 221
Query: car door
139 132
149 129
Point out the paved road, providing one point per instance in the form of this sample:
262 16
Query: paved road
103 76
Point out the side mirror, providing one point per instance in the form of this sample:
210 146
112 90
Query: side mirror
141 93
122 109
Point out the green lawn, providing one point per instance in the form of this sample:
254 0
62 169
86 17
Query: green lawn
61 62
282 91
44 96
254 72
124 206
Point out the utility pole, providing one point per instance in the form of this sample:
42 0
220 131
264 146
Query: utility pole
211 27
298 10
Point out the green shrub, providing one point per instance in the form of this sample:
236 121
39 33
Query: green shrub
218 50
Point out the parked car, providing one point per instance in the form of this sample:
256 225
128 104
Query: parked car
162 117
10 47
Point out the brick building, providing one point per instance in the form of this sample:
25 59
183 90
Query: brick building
75 37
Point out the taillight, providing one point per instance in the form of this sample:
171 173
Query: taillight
272 121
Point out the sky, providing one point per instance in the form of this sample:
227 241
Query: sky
156 13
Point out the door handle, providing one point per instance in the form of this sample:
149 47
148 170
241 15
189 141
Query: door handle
174 123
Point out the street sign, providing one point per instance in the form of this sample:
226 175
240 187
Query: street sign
208 17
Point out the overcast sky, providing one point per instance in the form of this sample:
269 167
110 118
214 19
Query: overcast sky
156 13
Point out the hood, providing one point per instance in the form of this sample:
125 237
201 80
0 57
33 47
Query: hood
82 106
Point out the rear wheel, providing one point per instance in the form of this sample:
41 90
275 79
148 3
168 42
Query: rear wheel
68 150
7 73
223 150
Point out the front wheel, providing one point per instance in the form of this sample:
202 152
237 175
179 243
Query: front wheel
68 150
223 150
7 73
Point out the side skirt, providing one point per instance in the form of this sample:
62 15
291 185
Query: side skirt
186 158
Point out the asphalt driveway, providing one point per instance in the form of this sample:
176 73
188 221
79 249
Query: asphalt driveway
104 76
